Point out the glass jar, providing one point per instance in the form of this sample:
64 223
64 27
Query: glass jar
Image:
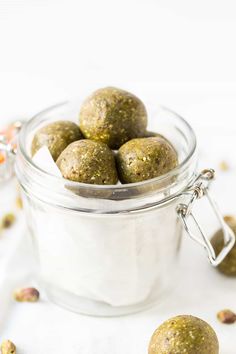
112 250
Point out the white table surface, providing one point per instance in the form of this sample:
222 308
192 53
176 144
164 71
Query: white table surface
45 328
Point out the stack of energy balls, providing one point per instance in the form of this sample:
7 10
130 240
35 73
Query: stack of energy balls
110 143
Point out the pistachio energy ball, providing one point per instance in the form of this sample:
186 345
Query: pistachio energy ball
145 158
113 116
228 265
56 136
184 334
88 161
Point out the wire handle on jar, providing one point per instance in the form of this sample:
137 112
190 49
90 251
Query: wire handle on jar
198 190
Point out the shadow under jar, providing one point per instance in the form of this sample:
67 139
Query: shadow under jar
109 250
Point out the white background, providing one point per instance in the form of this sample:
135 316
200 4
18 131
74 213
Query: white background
178 53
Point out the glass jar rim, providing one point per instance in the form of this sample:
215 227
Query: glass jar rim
160 179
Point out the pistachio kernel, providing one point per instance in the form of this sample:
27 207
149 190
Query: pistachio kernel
19 202
226 316
26 295
7 347
224 166
8 220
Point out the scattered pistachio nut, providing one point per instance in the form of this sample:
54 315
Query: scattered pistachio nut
7 347
8 220
226 316
224 166
26 295
19 203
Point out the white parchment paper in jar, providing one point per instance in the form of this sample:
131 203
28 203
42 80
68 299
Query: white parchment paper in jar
119 260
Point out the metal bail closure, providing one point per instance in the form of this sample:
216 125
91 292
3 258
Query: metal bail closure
198 190
8 139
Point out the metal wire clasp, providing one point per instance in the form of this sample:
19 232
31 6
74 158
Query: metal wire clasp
199 189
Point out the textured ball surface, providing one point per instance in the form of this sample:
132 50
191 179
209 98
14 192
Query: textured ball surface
184 334
88 161
142 159
56 136
113 116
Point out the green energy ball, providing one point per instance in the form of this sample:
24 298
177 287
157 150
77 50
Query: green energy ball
56 136
228 265
145 158
88 161
113 116
184 334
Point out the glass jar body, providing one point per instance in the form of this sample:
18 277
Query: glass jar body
105 264
106 251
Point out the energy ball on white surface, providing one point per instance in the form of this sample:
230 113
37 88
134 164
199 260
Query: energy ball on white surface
113 116
228 265
88 161
184 334
56 136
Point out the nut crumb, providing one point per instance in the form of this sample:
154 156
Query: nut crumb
8 220
26 295
224 166
7 347
19 202
226 316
